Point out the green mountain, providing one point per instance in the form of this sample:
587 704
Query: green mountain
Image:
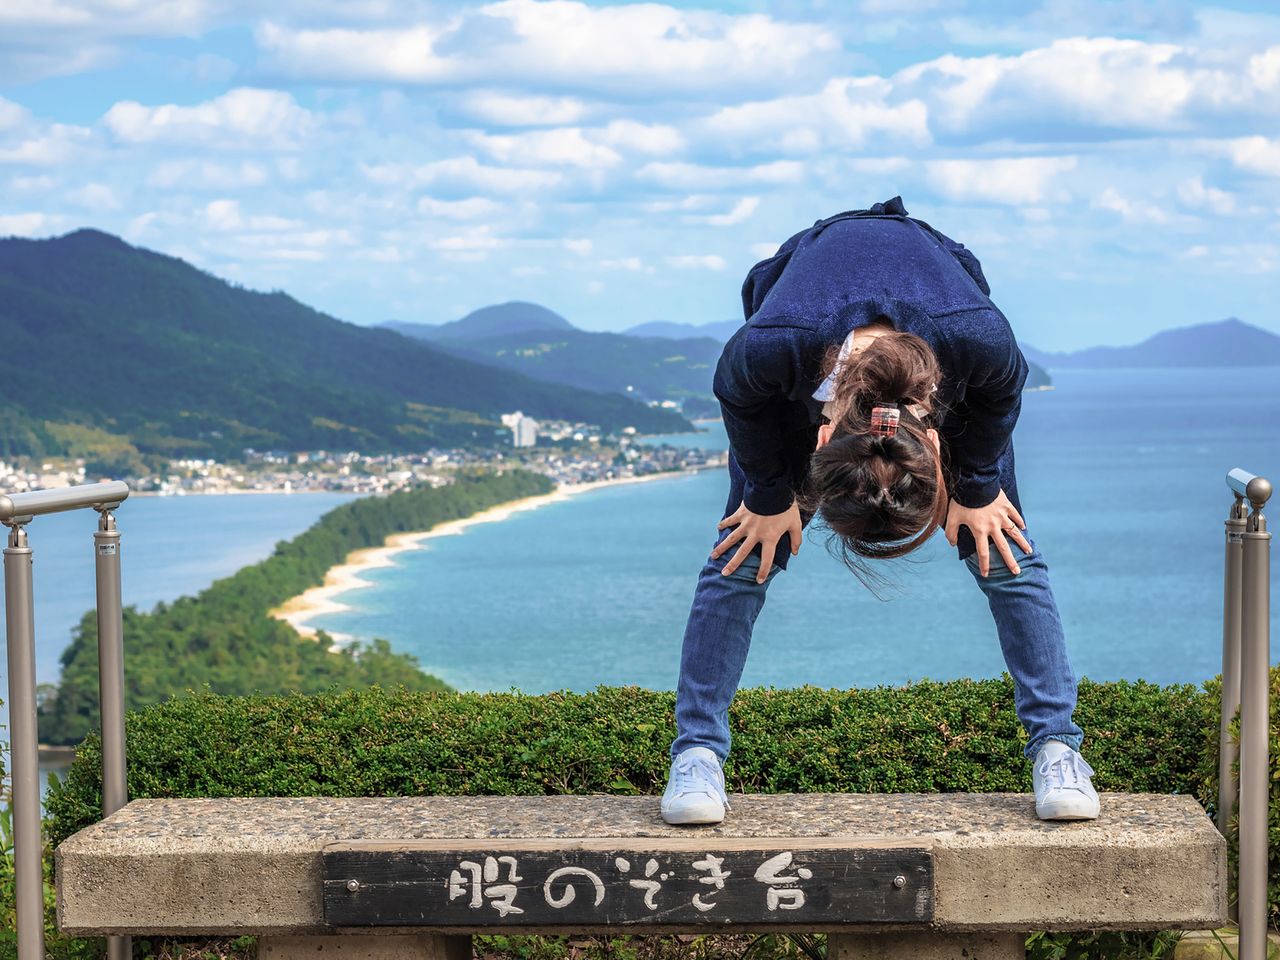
648 368
1227 343
513 317
116 350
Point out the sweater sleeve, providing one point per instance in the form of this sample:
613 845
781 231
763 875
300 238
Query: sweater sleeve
757 370
994 371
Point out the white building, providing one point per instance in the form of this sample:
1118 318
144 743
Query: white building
524 430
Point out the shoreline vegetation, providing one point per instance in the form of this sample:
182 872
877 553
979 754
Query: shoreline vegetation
317 601
221 640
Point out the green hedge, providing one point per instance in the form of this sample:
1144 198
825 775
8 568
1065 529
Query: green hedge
928 737
956 736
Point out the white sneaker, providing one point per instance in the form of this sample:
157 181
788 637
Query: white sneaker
1063 789
695 789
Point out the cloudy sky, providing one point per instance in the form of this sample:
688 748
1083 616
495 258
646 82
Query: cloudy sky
1115 164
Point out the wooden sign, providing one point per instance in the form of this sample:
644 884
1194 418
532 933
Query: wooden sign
486 885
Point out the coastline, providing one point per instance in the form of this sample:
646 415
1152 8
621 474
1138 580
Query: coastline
299 610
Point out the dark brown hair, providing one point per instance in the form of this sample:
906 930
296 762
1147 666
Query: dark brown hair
881 497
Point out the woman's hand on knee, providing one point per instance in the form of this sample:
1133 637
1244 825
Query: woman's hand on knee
754 528
992 523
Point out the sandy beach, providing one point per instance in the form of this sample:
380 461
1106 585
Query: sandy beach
300 610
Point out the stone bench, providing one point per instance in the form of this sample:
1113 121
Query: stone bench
886 875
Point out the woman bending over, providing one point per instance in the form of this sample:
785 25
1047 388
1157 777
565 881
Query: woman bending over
874 383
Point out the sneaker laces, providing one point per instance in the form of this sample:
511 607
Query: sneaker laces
1066 771
699 775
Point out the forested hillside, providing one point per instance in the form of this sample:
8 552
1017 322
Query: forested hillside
117 349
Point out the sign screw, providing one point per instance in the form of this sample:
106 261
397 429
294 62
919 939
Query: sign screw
899 881
353 885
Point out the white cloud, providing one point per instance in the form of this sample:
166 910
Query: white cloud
1088 82
25 224
470 245
97 197
1130 209
243 118
291 254
353 54
709 261
629 48
690 176
1196 194
207 174
1264 69
566 146
120 17
504 110
477 238
1256 155
470 208
579 245
630 264
899 7
1009 180
139 225
387 253
224 214
741 212
848 113
12 114
55 144
33 184
465 174
651 138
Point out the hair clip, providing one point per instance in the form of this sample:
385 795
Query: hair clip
884 419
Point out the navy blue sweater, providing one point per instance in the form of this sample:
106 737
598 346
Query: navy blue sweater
842 273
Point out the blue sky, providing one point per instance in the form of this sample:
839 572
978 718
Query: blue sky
1115 164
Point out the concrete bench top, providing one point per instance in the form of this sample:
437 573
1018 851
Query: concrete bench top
253 865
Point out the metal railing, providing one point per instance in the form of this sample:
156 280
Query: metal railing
16 511
1246 679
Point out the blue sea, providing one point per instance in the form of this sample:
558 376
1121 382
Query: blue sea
1121 475
169 547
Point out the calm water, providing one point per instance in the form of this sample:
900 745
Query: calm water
1121 475
170 546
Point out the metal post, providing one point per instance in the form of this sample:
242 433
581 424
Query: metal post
1255 710
106 550
1228 786
24 759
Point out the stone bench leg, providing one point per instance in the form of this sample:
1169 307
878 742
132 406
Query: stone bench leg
926 945
366 946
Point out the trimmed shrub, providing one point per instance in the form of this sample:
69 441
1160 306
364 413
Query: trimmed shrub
929 737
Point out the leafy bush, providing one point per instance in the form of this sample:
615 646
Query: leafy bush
927 737
960 735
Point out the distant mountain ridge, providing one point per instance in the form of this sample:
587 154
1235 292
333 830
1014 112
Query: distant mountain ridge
540 343
500 319
1226 343
652 361
128 350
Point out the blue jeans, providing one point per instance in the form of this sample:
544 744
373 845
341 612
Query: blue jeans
724 612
